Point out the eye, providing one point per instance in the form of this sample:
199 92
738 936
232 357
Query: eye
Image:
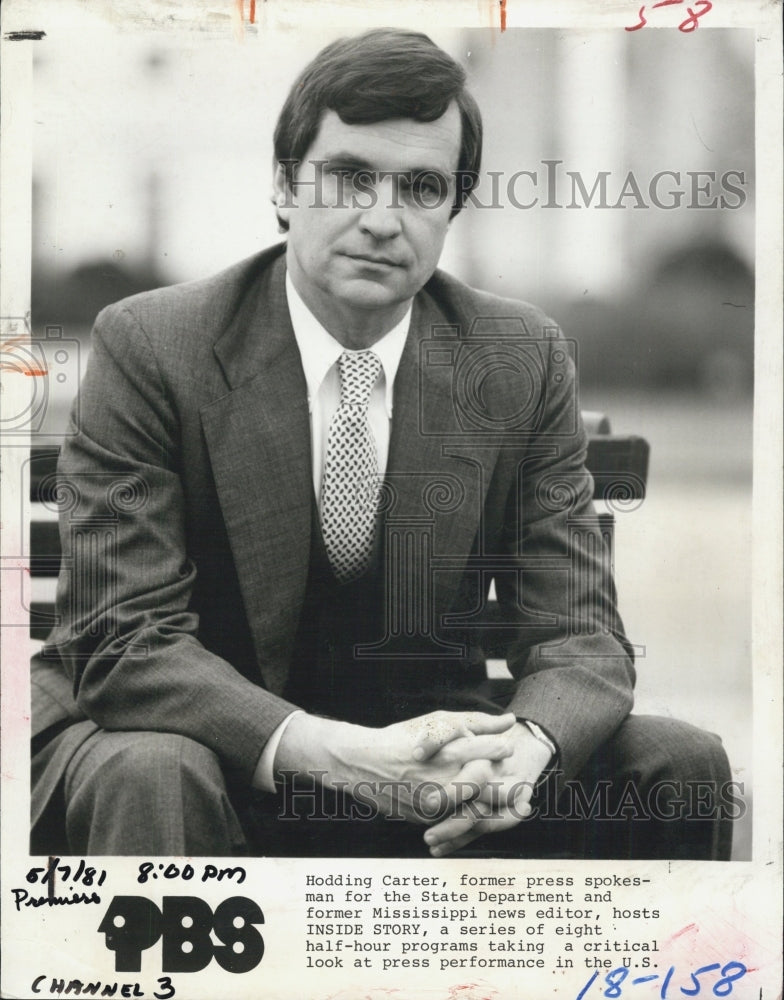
425 188
429 189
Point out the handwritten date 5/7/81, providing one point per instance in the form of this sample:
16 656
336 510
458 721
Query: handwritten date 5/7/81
81 874
616 984
151 871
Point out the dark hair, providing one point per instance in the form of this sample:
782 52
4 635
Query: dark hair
383 73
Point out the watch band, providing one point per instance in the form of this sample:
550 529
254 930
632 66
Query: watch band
543 738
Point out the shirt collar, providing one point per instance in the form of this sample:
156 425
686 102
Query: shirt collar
319 350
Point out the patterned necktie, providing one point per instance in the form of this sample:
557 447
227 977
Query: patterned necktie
349 487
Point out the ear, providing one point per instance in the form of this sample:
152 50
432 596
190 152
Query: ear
282 194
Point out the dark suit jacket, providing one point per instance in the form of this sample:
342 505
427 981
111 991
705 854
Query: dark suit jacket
186 533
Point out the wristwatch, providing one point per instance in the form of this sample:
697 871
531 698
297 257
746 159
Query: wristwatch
543 738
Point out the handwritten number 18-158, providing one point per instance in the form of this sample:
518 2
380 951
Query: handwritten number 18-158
615 981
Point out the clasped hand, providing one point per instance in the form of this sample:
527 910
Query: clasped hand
462 774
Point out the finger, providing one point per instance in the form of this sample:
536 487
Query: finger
450 846
481 722
476 772
500 812
469 748
501 793
462 820
521 804
434 731
468 784
446 839
439 728
454 833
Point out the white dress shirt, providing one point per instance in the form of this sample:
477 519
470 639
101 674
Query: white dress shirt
319 352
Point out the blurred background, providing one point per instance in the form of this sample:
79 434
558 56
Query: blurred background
152 164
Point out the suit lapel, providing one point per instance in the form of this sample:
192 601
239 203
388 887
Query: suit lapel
258 437
436 474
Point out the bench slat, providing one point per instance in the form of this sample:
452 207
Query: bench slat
44 548
618 464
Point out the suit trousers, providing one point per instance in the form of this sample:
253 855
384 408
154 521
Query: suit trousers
658 788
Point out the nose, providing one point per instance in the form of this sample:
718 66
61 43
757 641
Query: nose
383 218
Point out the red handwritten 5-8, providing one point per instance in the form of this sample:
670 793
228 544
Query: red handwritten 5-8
689 24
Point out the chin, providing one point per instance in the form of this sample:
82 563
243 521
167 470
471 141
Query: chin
363 294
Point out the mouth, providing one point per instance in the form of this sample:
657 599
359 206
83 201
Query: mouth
373 260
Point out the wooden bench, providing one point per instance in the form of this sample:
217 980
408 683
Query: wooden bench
619 465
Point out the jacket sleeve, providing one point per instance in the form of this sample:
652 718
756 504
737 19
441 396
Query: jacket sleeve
128 637
571 660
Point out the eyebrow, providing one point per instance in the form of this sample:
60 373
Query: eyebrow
355 162
348 160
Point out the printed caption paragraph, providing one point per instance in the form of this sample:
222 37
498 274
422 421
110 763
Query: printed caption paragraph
476 922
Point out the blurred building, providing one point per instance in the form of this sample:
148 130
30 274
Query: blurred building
152 164
631 145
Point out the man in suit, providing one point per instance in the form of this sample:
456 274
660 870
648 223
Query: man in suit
291 487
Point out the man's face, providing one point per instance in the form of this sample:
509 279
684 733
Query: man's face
361 240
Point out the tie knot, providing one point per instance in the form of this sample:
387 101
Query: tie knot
358 373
